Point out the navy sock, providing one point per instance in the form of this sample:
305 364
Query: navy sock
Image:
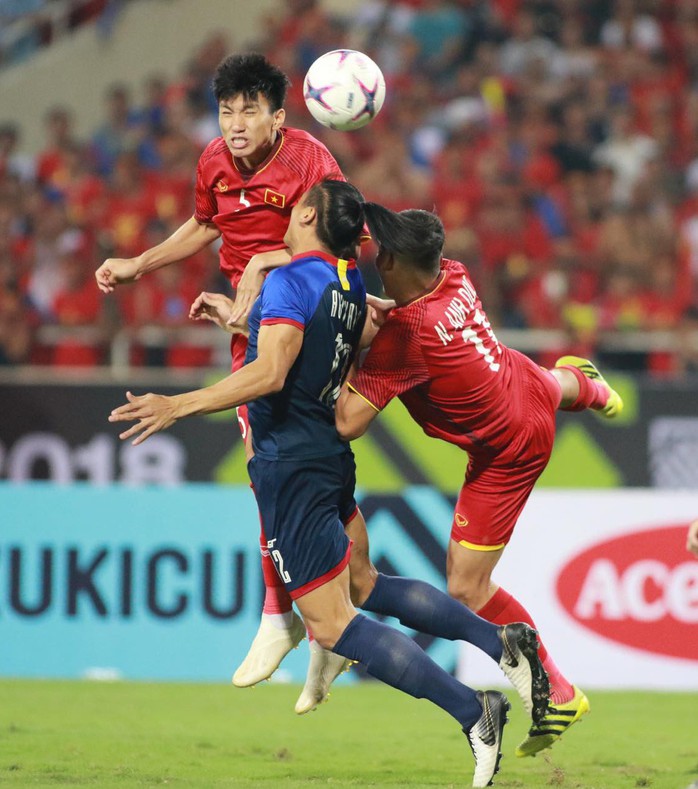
391 656
424 608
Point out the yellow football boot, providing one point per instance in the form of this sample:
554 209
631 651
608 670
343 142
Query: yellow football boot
555 723
614 404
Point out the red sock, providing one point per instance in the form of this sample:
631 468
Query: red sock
276 599
503 609
592 394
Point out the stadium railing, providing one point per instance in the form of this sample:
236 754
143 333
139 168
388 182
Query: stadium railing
118 348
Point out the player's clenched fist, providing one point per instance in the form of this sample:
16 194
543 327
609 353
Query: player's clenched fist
116 271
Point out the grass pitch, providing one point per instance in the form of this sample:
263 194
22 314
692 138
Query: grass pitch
129 735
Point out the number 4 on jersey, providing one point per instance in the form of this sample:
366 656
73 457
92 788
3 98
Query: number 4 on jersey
243 200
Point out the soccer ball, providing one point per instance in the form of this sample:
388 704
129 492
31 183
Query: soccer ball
344 89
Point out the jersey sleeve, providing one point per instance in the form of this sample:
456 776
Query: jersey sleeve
285 300
205 202
394 365
324 165
318 164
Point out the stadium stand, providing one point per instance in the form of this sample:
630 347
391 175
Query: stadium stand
557 139
28 25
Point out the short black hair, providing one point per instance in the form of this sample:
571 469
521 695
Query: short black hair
250 75
415 236
340 215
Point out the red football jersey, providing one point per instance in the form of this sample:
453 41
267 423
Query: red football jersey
439 355
252 210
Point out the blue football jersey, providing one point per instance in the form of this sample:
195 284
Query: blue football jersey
325 297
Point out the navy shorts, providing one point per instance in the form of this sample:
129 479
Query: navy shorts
304 505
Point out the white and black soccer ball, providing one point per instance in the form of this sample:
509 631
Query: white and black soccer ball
344 89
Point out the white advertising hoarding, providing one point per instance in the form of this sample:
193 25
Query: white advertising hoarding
607 579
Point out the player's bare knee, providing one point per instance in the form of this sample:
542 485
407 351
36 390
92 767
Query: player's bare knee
362 584
469 591
326 638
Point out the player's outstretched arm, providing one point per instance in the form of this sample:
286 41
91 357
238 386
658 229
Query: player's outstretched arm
278 346
692 538
252 280
187 240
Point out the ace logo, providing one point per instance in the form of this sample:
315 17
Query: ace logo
638 589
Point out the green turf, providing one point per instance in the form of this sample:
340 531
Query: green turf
127 734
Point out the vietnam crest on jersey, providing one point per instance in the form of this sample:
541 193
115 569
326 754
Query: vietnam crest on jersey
274 198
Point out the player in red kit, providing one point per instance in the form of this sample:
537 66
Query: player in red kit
247 182
437 352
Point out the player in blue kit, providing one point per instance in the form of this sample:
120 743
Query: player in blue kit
304 332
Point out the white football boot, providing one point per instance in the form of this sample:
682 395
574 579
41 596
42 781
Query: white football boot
269 647
521 663
324 667
485 736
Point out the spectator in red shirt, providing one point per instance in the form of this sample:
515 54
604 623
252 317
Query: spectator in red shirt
51 160
78 304
130 204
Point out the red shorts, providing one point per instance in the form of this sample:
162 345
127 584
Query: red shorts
497 486
238 349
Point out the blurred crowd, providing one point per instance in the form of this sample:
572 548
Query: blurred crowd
557 140
28 25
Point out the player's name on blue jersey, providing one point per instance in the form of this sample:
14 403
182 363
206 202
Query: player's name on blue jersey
347 311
